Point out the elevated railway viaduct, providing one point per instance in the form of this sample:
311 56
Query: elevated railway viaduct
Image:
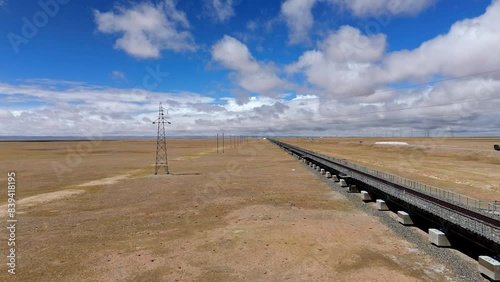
452 220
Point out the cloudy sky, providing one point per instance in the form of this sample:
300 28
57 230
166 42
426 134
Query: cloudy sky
289 67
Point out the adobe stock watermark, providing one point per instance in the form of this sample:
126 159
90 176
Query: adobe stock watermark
11 222
74 158
154 78
31 26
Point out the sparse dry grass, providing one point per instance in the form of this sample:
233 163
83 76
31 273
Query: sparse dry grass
252 213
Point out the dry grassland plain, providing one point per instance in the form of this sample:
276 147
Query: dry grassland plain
94 211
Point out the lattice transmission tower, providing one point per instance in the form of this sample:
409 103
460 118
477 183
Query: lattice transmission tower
161 142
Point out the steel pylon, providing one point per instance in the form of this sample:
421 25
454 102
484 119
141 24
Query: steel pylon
161 142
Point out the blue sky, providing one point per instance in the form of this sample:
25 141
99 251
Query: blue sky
248 66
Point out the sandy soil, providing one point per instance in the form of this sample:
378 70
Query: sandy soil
105 181
467 172
41 199
251 214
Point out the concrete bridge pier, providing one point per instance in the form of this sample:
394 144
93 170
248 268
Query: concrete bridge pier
489 267
335 178
353 189
438 238
365 196
381 205
404 218
343 183
328 174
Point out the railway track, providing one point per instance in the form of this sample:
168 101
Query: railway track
481 218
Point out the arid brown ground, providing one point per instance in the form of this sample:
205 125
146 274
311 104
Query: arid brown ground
253 213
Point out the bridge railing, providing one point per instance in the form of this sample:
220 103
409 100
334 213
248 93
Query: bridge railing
490 208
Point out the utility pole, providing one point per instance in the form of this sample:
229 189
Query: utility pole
161 142
223 142
217 142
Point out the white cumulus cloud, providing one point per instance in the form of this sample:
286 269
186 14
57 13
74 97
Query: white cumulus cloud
84 109
349 63
118 75
299 19
466 49
221 10
250 74
146 29
342 63
367 8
